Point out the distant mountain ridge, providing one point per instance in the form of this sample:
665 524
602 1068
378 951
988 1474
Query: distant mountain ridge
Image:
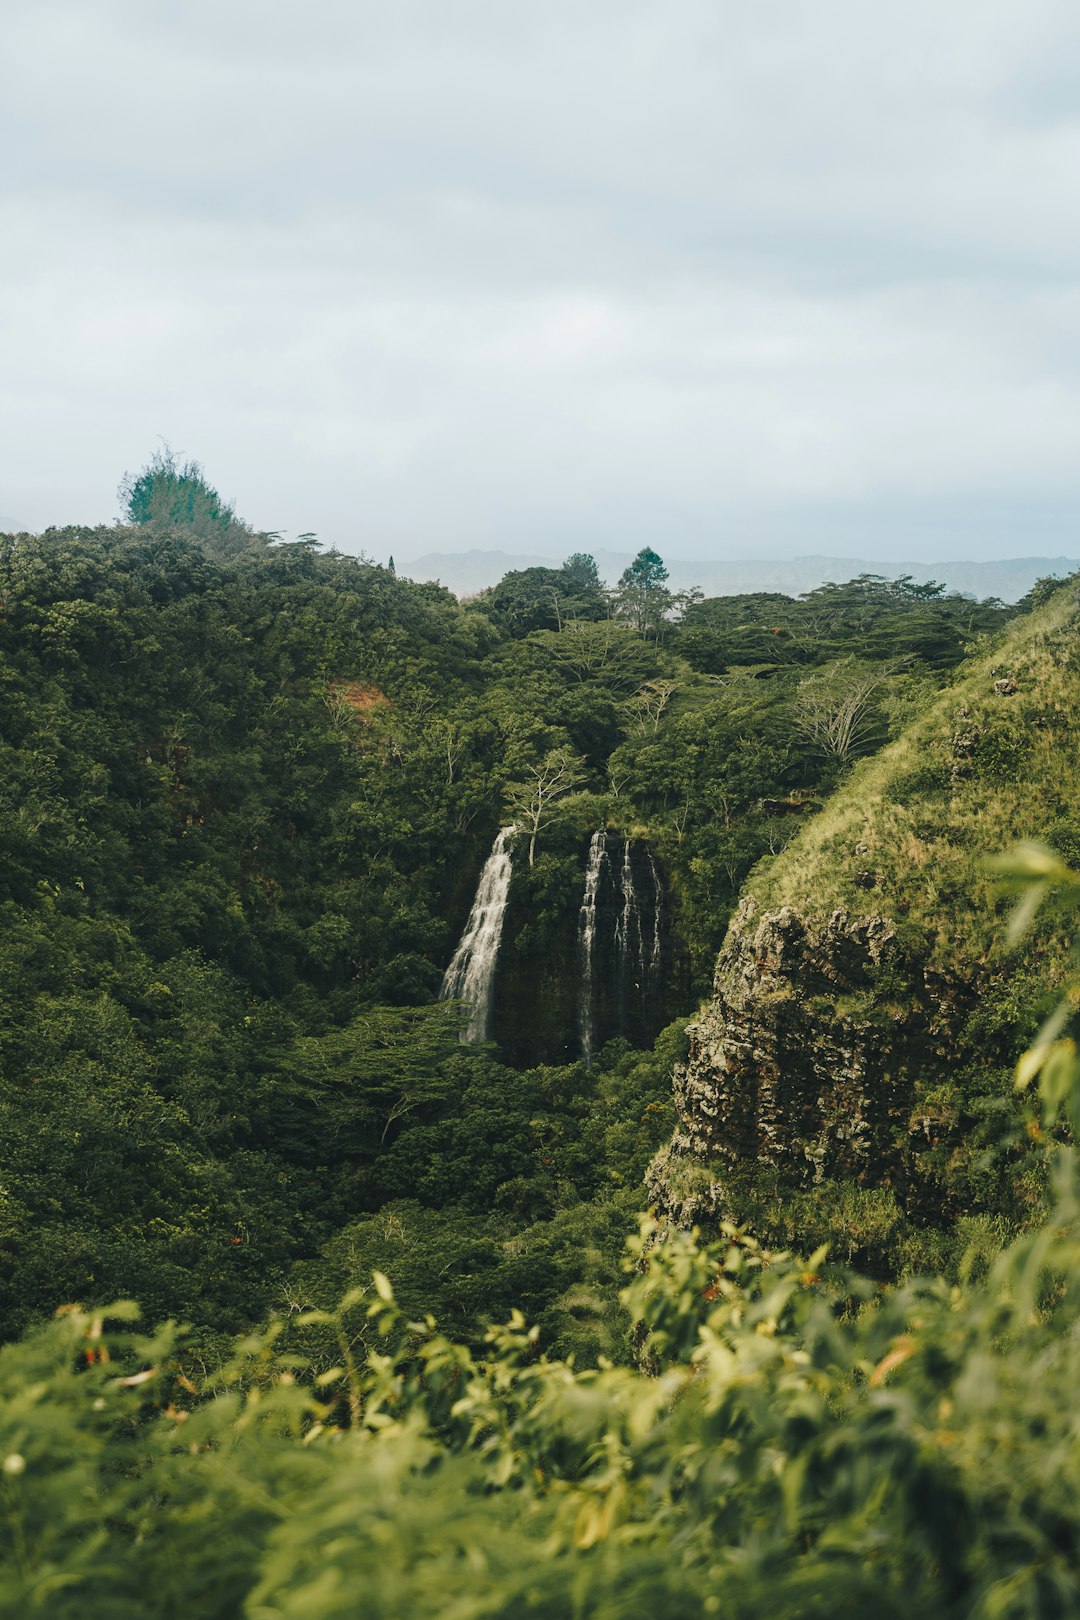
467 572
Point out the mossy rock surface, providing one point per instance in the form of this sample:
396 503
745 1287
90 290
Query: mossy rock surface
866 1012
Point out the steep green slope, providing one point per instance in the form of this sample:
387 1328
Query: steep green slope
993 759
244 798
245 794
851 1075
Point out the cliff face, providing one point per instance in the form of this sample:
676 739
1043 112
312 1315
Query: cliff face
803 1063
631 986
865 1018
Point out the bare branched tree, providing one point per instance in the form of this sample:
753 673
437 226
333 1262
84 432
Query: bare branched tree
835 709
647 706
532 800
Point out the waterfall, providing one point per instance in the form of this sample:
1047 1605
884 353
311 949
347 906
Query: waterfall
657 929
621 944
587 940
629 922
471 975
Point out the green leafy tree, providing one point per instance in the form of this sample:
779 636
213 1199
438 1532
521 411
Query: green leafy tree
838 708
642 595
531 599
177 495
869 617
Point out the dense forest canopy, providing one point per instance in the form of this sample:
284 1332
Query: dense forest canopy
793 1441
249 788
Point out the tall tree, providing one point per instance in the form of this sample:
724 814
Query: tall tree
642 595
178 495
584 596
836 709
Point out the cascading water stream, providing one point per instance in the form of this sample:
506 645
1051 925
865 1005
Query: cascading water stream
471 975
657 931
620 944
628 928
587 939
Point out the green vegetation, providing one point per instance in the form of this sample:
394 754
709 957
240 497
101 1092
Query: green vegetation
170 494
953 788
793 1442
898 1138
247 788
991 761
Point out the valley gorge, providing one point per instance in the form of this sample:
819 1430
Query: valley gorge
362 1094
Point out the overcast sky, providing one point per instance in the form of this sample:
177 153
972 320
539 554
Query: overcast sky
720 276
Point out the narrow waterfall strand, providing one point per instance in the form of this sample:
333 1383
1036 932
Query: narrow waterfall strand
626 889
658 907
587 940
471 975
629 923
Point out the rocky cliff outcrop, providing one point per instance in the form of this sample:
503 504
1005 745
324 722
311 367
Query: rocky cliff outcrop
865 1019
800 1062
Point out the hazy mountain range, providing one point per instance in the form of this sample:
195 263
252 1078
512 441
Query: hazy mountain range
465 572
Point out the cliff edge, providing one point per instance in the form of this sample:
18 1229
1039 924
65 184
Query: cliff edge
857 1050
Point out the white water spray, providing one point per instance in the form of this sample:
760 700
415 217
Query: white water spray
631 916
587 939
658 906
471 975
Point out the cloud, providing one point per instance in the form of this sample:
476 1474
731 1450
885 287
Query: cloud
455 273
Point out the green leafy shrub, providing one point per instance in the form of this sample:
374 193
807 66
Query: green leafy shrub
794 1441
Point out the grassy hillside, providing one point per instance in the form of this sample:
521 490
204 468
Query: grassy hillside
993 759
850 1079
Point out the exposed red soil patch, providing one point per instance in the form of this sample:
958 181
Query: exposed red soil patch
358 696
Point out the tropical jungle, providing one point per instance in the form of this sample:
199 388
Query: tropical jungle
555 1104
